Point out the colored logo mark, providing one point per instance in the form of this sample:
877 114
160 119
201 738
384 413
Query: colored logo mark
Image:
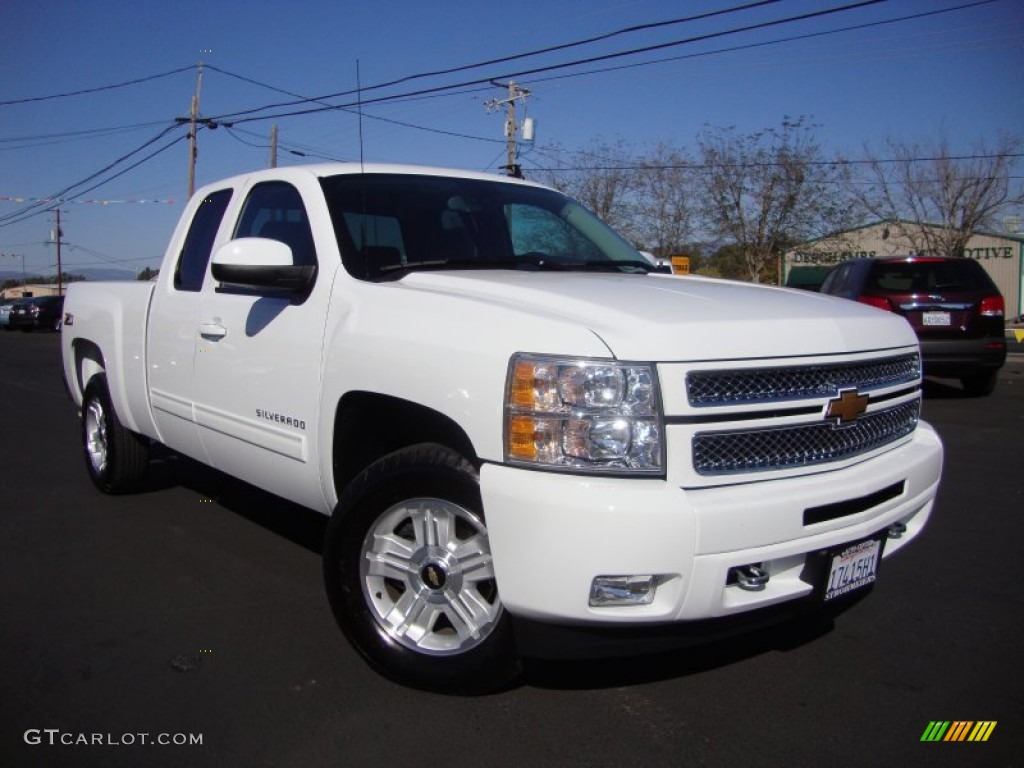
847 407
958 730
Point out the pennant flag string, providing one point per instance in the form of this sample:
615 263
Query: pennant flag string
77 201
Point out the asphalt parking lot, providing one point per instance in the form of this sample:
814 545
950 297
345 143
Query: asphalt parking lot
196 609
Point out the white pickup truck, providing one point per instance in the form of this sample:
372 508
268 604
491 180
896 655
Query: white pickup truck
509 418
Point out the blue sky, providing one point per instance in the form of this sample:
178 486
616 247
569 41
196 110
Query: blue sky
961 73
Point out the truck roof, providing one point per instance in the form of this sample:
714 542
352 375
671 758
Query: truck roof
321 170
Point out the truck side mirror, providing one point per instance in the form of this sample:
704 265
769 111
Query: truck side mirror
261 264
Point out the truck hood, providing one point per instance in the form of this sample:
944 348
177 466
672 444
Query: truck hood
666 318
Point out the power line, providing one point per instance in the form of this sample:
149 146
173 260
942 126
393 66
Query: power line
429 92
552 67
435 91
44 138
564 65
765 164
749 46
41 207
137 81
378 118
504 59
482 86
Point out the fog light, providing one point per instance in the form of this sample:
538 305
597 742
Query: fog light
623 590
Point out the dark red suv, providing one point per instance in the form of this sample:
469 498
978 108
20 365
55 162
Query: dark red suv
952 304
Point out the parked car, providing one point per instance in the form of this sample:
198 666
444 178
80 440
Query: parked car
951 303
5 313
38 312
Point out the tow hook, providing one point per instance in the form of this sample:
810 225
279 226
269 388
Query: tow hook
896 530
750 577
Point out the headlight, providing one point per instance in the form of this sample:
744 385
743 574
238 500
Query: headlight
589 415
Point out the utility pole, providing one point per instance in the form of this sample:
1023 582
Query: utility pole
273 146
193 150
57 235
193 120
515 93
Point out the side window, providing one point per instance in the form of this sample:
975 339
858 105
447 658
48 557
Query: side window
274 210
195 253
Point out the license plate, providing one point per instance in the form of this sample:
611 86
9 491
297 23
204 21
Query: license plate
936 318
852 567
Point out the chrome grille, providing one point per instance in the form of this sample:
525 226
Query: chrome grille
761 450
766 385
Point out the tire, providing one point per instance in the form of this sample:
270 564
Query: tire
408 572
980 384
115 457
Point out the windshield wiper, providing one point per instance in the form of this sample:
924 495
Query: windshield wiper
529 263
432 264
440 264
605 265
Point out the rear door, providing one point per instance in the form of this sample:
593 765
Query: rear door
173 319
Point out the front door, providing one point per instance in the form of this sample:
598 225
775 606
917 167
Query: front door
258 356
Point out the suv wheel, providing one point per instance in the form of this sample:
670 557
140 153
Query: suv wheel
980 384
407 566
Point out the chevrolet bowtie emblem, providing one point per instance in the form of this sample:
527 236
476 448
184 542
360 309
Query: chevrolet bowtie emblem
847 407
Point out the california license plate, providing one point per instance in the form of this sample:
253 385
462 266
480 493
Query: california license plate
936 318
852 567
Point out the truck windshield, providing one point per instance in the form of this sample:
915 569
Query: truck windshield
390 224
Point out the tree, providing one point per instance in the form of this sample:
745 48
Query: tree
665 204
148 274
602 177
729 262
935 197
767 189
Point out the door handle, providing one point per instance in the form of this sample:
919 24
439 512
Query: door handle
212 331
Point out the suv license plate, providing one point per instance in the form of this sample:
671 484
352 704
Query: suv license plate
852 567
936 318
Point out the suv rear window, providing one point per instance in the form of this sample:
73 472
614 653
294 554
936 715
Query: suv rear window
921 276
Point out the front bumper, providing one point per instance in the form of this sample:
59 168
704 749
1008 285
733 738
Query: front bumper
551 534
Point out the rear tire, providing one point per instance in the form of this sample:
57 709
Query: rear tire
980 384
408 571
116 458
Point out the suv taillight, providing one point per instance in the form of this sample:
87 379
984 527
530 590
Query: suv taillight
992 306
876 301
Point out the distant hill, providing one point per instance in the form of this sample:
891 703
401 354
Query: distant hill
90 274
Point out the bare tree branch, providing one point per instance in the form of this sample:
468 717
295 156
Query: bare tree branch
937 199
767 189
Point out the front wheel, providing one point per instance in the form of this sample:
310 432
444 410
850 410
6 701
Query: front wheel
408 570
115 457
